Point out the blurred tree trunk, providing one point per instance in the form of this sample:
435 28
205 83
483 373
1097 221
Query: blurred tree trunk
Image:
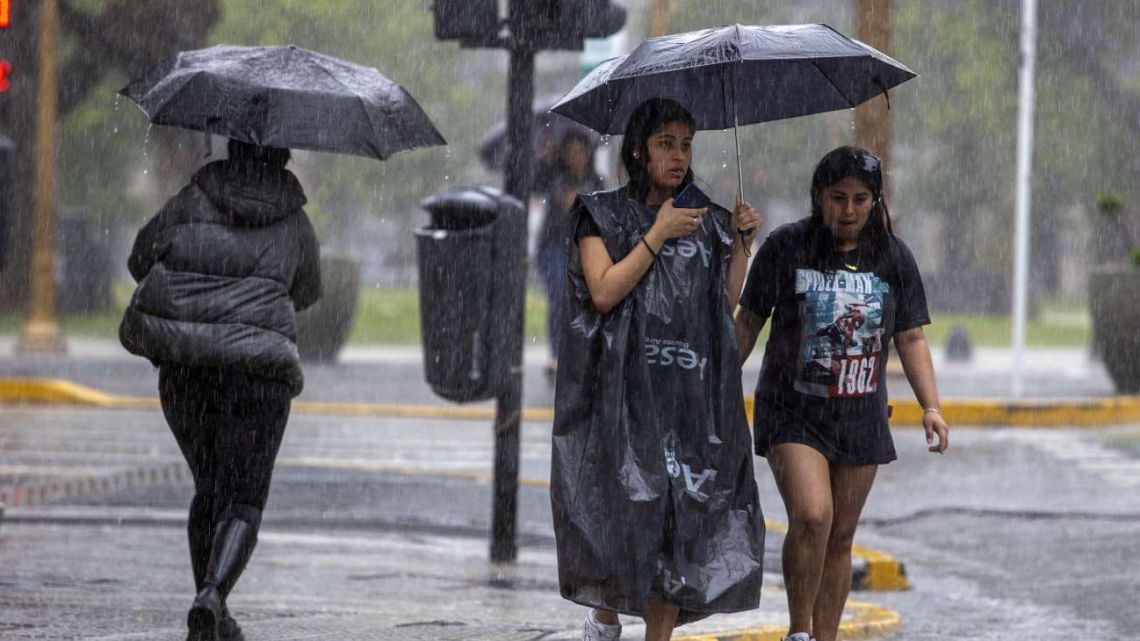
873 130
662 13
128 37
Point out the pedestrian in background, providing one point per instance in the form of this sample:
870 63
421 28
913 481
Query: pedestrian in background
839 286
221 270
656 511
568 171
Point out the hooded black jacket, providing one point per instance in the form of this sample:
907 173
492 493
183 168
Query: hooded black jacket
221 269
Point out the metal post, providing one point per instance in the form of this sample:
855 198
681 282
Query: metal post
1026 98
517 183
41 331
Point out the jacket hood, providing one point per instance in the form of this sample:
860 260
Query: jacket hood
251 193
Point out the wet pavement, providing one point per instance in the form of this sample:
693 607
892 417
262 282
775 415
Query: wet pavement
374 529
394 374
377 526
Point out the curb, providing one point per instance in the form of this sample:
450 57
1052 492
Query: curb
1114 410
38 492
869 621
881 572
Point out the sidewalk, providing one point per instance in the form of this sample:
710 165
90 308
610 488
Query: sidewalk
113 479
1062 387
376 529
377 525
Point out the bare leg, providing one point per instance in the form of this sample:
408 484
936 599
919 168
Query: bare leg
849 489
608 617
660 619
803 476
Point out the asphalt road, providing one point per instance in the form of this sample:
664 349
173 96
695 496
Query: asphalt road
1014 534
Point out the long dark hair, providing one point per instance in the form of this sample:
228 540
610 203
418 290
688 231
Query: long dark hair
650 117
875 239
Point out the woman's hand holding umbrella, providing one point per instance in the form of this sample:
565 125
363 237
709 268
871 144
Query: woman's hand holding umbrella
746 220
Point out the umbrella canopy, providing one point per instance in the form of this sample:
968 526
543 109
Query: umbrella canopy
284 97
549 128
735 75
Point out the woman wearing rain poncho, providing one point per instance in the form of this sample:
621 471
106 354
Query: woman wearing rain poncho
655 506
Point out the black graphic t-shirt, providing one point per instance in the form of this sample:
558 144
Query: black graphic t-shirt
826 354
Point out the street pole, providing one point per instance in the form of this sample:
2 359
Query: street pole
41 334
873 127
517 183
1026 98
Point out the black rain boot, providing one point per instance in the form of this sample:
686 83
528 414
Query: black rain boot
200 530
200 534
234 540
228 628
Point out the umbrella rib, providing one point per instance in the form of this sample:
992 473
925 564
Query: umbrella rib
182 82
815 63
361 102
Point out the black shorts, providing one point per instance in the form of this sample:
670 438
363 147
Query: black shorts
862 440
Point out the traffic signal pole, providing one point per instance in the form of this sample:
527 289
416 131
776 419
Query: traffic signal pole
508 405
41 334
532 26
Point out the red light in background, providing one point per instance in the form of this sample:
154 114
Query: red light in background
4 13
5 69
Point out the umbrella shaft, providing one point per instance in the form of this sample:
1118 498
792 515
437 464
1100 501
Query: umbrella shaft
736 135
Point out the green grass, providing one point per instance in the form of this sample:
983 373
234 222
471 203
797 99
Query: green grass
392 316
1059 325
98 325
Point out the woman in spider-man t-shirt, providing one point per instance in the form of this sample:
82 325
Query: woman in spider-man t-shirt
838 286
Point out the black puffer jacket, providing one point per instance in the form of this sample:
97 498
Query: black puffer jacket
221 270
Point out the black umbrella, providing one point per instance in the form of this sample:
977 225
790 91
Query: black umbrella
778 72
548 129
284 97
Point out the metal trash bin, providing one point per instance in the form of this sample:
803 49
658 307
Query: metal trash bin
84 268
471 260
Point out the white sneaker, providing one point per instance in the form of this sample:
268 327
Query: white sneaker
799 636
596 631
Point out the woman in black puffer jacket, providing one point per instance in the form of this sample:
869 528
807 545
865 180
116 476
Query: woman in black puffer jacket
221 271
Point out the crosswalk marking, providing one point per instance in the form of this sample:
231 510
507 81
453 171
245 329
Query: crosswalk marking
1088 453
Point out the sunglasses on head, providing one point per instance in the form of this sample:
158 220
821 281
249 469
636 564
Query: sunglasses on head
868 162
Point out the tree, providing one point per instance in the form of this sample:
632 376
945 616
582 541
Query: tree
462 90
101 38
955 125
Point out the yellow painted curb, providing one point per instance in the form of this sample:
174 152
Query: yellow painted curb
37 391
1115 410
884 573
869 621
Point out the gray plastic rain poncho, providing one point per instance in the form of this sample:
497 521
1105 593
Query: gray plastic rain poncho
652 484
